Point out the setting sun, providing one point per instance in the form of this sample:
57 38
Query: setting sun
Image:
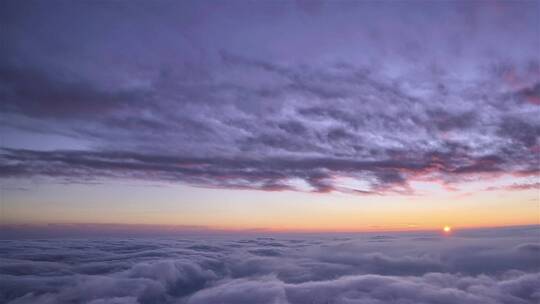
447 229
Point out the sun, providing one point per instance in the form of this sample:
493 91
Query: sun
447 229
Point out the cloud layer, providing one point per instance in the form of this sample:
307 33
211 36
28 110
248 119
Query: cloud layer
492 266
272 96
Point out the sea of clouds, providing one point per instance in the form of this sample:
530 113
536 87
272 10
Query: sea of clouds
476 266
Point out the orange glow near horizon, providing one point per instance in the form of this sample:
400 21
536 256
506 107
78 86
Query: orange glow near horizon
271 211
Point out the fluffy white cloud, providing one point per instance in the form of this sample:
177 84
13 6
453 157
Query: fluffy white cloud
499 266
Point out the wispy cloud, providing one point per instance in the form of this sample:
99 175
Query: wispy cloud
210 96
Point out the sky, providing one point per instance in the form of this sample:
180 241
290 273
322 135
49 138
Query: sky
270 115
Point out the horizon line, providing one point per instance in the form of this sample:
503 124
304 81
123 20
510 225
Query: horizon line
22 229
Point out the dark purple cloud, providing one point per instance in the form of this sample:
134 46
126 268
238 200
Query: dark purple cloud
260 95
490 266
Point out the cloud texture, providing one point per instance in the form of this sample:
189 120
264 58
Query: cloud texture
491 266
271 95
